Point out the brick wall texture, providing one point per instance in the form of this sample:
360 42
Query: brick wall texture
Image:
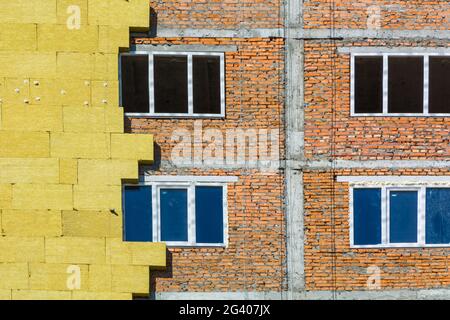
255 257
331 133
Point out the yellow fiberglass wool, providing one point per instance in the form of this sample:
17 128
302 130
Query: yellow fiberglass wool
64 153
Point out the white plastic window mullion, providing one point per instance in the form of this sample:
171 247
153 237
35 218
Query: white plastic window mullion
151 83
190 86
191 215
155 214
426 86
222 84
385 83
384 216
421 216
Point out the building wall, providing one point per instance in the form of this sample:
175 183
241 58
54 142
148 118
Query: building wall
218 14
63 152
337 144
254 260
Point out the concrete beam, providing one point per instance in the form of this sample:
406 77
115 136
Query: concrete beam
183 48
403 294
295 31
294 117
424 50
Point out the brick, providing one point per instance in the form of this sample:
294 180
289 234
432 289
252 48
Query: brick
31 223
42 196
75 250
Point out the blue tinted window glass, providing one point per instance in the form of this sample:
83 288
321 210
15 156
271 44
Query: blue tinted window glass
174 214
138 213
209 214
403 217
437 222
366 216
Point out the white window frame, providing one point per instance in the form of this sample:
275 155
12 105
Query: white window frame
175 182
386 55
190 113
385 208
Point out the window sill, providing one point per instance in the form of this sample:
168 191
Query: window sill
175 116
195 245
393 115
401 246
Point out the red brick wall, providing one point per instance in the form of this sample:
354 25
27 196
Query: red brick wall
399 14
223 14
255 257
401 268
362 138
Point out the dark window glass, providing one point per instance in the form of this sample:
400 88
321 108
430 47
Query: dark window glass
368 84
209 214
405 85
174 215
138 213
134 81
439 101
206 74
403 216
437 222
366 216
170 84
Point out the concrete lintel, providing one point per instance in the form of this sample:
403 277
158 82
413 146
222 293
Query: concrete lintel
183 48
402 294
239 295
296 31
425 50
371 164
216 33
372 34
394 179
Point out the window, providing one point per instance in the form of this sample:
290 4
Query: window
178 213
393 84
173 84
400 216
